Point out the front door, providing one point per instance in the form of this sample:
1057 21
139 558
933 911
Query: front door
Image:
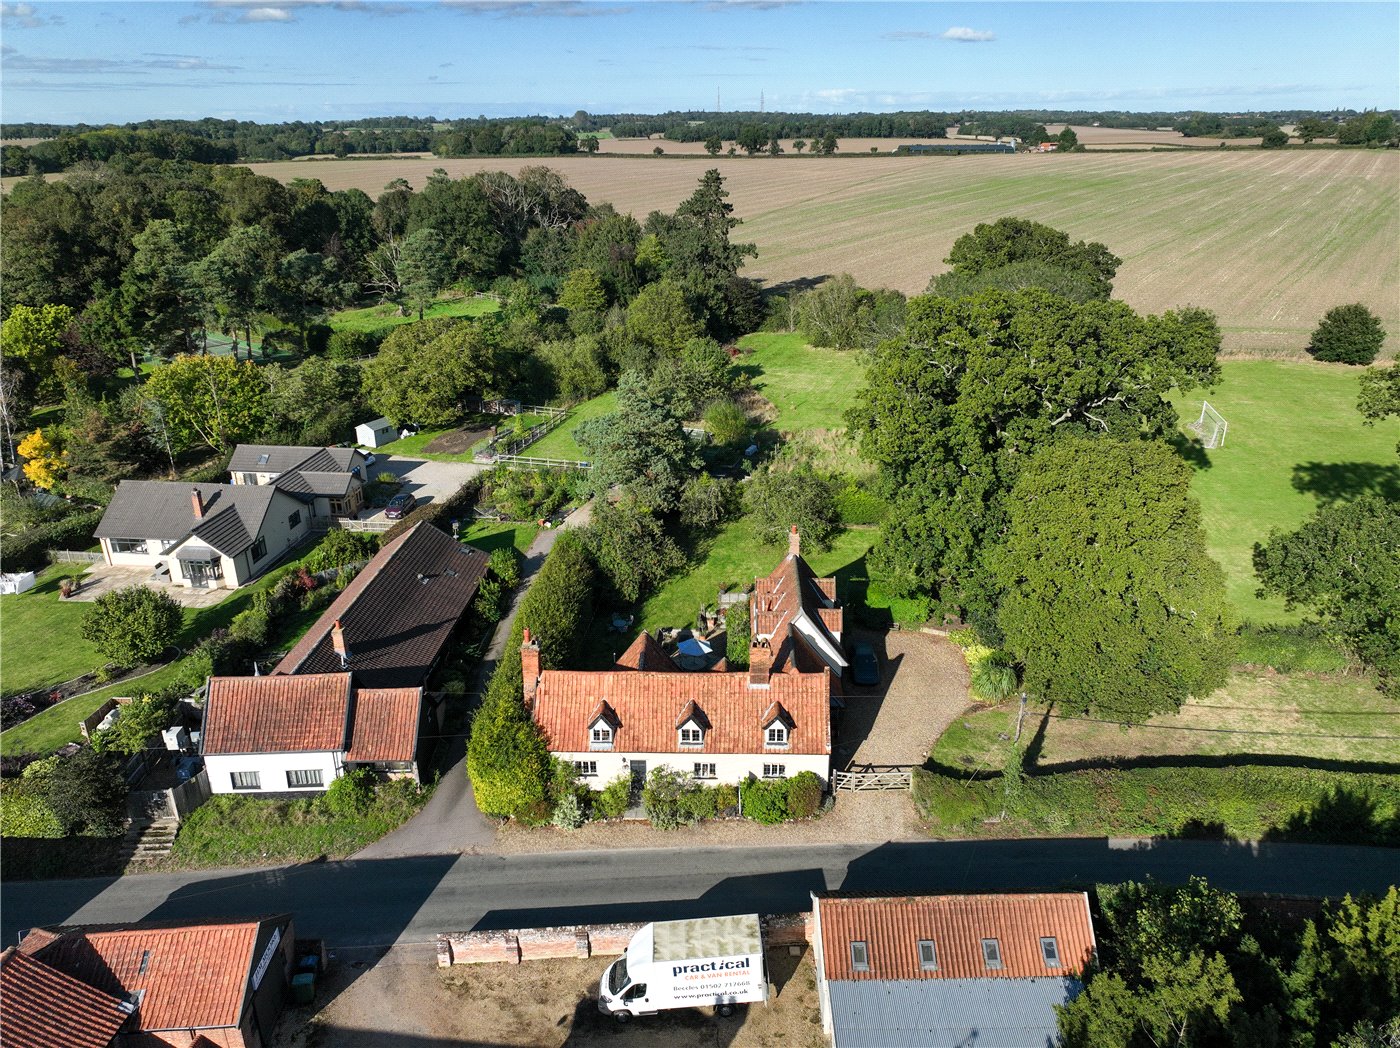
205 573
639 780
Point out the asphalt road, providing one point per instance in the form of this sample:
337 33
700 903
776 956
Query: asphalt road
379 902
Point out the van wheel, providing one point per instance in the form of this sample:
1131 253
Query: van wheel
726 1010
623 1017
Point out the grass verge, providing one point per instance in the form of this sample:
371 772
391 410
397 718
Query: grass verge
1233 801
246 831
372 319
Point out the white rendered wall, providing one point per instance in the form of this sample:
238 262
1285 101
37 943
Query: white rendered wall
272 769
729 767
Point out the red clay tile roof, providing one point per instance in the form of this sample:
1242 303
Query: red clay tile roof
647 704
792 592
397 613
957 924
42 1007
645 653
196 975
277 714
385 724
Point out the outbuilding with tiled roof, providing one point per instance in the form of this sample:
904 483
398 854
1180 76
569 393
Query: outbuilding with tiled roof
911 971
224 981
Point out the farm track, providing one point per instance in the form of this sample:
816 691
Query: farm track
1269 241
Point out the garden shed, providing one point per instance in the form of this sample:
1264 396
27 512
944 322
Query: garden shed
374 433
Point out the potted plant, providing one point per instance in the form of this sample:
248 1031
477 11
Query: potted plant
66 587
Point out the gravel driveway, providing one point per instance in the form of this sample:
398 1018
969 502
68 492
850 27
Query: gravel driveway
429 481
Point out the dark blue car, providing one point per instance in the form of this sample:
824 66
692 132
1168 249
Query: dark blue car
865 665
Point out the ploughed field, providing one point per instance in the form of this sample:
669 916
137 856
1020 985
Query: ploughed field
1269 240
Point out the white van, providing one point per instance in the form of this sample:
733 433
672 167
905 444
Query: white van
709 961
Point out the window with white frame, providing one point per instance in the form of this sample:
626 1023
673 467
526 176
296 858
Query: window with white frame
860 956
301 779
928 955
705 771
586 769
1050 950
600 736
777 734
128 545
991 953
246 780
774 771
691 735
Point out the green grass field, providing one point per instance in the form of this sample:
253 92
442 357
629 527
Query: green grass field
382 318
489 536
559 443
809 387
41 635
1295 440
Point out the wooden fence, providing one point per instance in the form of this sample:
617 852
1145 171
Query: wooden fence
874 777
526 462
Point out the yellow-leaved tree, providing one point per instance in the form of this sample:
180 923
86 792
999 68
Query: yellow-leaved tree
45 464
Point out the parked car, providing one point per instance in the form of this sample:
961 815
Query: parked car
399 505
865 665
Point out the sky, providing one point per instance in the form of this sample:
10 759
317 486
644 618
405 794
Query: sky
272 60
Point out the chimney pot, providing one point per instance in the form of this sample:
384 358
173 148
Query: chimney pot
760 662
794 542
197 502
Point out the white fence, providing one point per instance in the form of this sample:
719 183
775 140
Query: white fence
526 462
74 556
350 524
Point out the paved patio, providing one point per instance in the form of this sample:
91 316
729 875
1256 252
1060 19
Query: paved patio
103 578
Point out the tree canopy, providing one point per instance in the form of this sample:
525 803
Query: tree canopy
640 447
1344 563
212 401
1348 335
1112 605
951 411
423 370
1007 240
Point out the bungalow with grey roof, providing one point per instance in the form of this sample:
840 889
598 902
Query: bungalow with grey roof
332 480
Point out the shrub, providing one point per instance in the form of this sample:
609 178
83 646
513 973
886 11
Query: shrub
349 345
804 795
490 599
132 625
765 800
726 796
340 548
613 800
142 718
993 680
505 565
568 813
785 493
386 477
88 794
25 813
726 422
250 627
697 804
707 502
1348 335
351 795
19 708
28 549
737 635
457 506
662 798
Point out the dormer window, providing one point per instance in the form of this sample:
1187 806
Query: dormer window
691 735
600 736
777 727
776 735
691 726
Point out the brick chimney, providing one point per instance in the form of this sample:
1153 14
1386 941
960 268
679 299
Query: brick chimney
530 668
338 644
760 663
197 502
794 543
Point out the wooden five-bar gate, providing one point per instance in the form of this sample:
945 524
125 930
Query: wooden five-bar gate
874 777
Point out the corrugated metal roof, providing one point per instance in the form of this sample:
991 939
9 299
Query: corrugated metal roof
948 1013
892 927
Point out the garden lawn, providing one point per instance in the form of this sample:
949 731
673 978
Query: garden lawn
810 387
41 635
489 536
733 559
1295 441
58 725
559 443
1322 717
381 318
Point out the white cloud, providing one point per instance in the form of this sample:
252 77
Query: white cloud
267 14
907 34
964 35
25 16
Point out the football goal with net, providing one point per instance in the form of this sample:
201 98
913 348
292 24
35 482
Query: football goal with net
1210 427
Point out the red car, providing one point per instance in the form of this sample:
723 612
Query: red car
399 505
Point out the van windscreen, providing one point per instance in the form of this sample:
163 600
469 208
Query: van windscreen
617 978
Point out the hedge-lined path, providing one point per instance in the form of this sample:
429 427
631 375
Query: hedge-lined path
451 822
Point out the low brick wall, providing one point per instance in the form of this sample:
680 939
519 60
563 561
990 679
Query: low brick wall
583 940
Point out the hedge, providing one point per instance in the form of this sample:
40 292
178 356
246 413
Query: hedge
456 506
28 551
1250 802
507 758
